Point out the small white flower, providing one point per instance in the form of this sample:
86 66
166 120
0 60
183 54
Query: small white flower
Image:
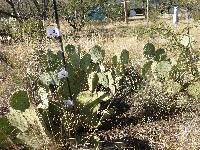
68 103
62 74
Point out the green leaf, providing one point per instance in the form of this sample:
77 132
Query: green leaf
149 51
20 100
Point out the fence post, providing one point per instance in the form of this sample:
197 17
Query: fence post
147 15
125 12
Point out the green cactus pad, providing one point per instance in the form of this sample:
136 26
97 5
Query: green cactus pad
73 57
44 98
162 69
85 61
194 89
5 126
149 51
33 140
48 78
160 55
4 142
103 80
114 61
103 96
97 54
93 81
146 67
21 120
86 97
70 48
20 100
111 81
53 61
29 125
172 87
124 57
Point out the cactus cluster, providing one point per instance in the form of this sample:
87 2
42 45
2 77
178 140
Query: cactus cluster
91 83
175 74
22 124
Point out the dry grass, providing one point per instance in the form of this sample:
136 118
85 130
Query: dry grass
179 133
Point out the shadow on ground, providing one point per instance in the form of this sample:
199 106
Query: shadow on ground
127 143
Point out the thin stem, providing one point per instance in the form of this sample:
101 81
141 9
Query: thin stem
61 44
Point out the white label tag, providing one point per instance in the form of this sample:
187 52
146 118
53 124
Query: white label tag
53 32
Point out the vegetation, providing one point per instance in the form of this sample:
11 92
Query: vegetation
90 98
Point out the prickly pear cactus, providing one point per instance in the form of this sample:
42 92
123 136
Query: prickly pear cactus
89 105
51 61
172 87
121 59
20 100
149 51
111 81
7 133
97 54
103 80
146 68
49 78
162 69
73 56
31 130
93 81
85 61
87 97
160 55
124 57
194 89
